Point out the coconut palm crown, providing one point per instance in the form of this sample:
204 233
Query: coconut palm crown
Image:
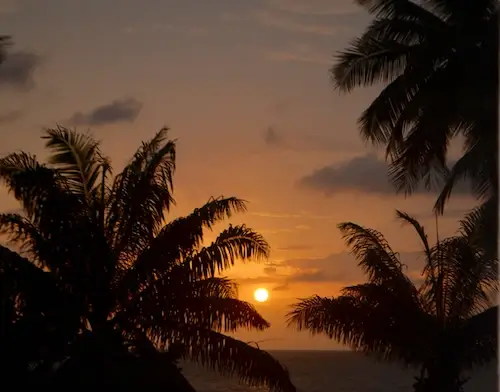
122 272
444 326
438 63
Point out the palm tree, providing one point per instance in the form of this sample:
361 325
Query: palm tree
446 325
438 60
137 285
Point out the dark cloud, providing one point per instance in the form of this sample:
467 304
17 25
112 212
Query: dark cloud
10 117
18 70
365 174
120 110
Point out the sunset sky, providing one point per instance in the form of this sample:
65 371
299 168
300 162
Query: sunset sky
245 88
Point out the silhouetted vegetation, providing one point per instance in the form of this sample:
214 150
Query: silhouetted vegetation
438 60
444 326
107 291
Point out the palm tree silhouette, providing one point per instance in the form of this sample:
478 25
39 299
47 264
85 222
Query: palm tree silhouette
438 60
133 288
445 326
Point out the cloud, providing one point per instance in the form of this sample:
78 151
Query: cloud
276 215
301 215
186 30
289 56
282 287
295 247
269 270
337 268
363 174
315 7
18 69
10 117
118 111
294 24
302 142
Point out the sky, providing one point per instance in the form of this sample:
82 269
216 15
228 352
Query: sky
244 86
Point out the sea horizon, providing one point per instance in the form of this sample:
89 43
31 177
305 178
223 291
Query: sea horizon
336 371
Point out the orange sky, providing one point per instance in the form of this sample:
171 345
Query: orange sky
244 85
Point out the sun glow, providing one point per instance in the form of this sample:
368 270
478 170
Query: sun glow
261 295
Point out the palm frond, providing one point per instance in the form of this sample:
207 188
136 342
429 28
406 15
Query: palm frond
179 238
367 318
236 242
471 280
76 156
142 194
209 303
226 355
454 12
479 227
406 218
219 287
479 338
219 314
373 253
21 232
28 180
401 9
369 60
39 317
469 167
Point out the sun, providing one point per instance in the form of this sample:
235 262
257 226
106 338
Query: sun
261 295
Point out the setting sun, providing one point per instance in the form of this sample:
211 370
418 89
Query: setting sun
261 295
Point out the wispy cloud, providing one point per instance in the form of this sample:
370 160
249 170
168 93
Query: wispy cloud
282 21
315 7
340 268
165 28
120 110
289 56
303 53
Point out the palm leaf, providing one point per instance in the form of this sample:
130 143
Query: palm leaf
469 166
142 194
368 61
209 303
77 157
367 318
406 218
178 239
227 355
236 242
479 338
373 253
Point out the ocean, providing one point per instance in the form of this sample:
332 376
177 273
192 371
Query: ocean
335 371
